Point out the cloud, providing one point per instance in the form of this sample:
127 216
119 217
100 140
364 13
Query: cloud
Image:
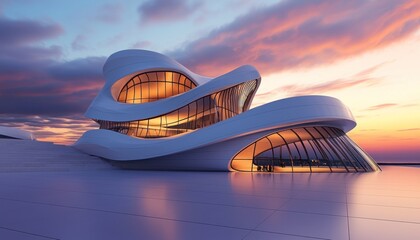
110 13
53 88
301 33
361 78
409 129
19 32
381 106
63 130
334 85
153 11
389 105
368 130
142 44
409 105
26 54
79 43
368 71
17 42
35 81
39 92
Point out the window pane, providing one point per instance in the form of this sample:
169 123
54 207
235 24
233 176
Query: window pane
143 78
161 76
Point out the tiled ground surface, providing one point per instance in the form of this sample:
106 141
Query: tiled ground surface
116 204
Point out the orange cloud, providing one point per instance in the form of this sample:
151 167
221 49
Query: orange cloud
302 33
360 78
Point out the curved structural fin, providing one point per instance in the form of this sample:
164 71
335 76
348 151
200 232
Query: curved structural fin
156 114
304 149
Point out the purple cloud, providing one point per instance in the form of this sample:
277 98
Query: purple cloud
27 54
110 13
35 81
165 10
17 43
18 32
301 34
51 88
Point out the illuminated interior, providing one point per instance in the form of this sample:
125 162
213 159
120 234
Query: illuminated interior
305 149
201 113
152 86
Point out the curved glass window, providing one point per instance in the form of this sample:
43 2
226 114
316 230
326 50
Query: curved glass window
152 86
306 149
203 112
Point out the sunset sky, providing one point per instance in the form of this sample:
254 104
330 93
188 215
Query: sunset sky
366 53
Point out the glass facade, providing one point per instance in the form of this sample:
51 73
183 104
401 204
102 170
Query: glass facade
152 86
203 112
305 149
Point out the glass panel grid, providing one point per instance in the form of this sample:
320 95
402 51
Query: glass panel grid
203 112
305 149
152 86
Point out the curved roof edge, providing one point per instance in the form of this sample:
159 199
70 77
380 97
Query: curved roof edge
126 62
105 107
280 114
16 133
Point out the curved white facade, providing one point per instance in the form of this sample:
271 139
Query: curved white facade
156 114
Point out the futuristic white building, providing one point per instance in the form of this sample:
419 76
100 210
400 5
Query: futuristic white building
156 114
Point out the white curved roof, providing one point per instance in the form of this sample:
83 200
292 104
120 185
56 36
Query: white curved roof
281 114
216 143
16 133
131 61
123 65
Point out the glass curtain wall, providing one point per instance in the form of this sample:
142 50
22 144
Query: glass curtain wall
152 86
203 112
306 149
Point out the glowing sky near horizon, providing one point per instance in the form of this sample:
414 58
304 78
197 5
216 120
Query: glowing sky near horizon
366 53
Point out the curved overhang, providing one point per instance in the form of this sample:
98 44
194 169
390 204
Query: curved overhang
277 115
132 61
16 133
123 65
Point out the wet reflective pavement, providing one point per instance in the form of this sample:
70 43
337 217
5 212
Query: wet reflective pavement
118 204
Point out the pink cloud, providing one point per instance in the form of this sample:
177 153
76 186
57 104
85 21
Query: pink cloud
142 44
382 106
361 78
300 34
166 10
334 85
